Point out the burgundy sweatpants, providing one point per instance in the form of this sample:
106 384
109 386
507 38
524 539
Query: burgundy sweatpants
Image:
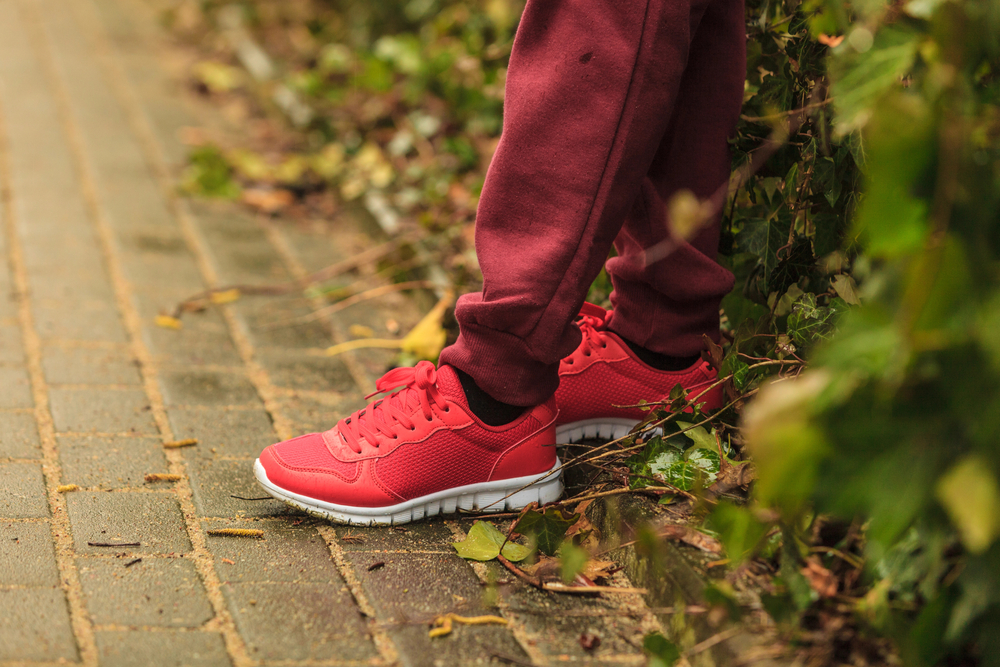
611 106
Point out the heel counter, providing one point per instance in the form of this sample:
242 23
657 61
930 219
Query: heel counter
536 453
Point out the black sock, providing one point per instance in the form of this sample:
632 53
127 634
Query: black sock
660 362
489 410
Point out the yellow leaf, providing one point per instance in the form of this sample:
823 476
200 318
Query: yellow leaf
687 215
426 340
227 296
66 488
970 495
360 331
218 77
168 322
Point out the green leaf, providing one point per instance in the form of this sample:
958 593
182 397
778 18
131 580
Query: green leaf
971 497
572 560
483 543
860 79
846 288
661 651
893 218
548 528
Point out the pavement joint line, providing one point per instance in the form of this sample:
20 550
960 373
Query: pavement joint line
316 394
10 520
299 272
61 530
106 434
243 407
16 411
386 647
256 373
76 386
72 344
203 560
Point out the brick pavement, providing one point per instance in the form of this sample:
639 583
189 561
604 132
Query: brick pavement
95 243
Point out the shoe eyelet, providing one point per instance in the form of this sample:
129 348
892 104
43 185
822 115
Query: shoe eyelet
412 429
447 410
429 418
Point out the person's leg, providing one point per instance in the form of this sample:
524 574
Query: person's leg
590 91
668 306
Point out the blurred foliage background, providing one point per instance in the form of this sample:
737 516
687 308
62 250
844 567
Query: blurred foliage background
862 353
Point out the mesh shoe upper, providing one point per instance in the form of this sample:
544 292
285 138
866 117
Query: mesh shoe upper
418 440
603 376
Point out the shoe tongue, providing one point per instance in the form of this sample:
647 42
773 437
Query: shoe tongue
449 384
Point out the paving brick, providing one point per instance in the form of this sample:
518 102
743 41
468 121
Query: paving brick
110 462
317 621
101 410
35 626
27 555
161 273
431 535
153 519
19 436
287 553
204 387
62 285
89 366
215 482
153 592
204 339
309 415
15 388
296 369
266 324
223 433
23 494
557 621
140 648
11 351
79 320
411 589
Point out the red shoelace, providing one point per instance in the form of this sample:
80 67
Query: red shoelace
417 387
591 320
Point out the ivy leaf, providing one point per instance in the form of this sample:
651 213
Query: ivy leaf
662 652
846 288
548 528
483 543
970 494
572 560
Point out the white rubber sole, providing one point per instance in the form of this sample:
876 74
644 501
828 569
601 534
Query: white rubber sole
610 428
502 495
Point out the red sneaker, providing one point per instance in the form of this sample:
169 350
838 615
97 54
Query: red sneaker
417 452
603 374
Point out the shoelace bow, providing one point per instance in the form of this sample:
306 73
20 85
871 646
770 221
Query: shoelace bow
417 386
591 320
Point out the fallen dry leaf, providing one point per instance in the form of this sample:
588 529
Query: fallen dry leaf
589 641
268 200
174 444
691 536
66 488
820 578
832 42
167 322
226 296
